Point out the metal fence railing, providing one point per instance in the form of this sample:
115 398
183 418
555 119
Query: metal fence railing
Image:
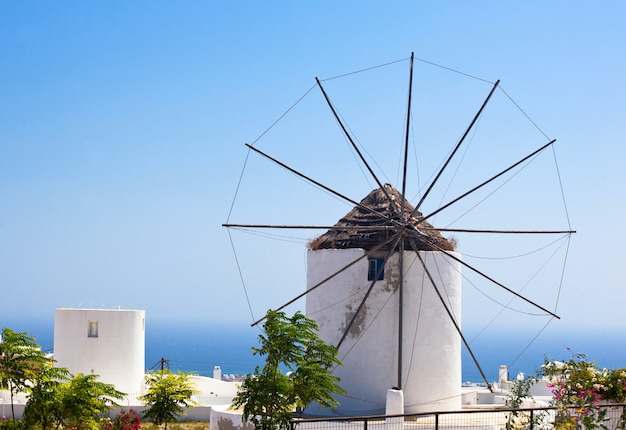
607 417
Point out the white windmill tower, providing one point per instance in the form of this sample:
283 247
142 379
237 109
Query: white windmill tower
412 315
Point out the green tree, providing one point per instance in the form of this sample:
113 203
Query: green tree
270 397
43 409
83 400
168 395
20 360
57 399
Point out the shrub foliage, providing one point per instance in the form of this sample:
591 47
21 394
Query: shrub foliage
270 396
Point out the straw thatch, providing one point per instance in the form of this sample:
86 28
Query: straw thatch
358 229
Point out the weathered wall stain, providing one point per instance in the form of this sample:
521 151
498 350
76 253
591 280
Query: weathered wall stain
359 323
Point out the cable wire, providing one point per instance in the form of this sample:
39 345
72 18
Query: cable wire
245 290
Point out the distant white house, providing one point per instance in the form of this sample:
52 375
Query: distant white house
105 342
110 343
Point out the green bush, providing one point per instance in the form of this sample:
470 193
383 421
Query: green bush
9 424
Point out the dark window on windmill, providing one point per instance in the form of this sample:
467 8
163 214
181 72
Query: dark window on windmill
92 328
376 267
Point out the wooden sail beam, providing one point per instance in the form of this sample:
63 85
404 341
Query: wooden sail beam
402 205
456 325
514 165
389 228
354 146
328 278
469 230
473 269
324 187
313 227
469 128
400 311
406 135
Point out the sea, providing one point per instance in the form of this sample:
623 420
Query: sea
199 347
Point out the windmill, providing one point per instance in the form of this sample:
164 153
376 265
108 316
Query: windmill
384 285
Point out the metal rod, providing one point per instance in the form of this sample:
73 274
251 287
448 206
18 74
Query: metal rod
312 227
501 285
332 108
432 184
387 227
467 230
324 187
490 179
406 134
400 313
490 279
402 204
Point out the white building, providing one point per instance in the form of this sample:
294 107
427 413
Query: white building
402 308
106 342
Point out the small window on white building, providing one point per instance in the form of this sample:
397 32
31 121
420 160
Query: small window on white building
376 266
92 330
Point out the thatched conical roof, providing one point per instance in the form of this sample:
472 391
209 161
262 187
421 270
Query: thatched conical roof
358 228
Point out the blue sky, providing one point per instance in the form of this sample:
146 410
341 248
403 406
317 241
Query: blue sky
122 131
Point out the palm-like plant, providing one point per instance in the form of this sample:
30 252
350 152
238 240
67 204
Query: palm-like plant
168 395
20 360
269 397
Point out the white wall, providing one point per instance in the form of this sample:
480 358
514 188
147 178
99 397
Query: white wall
431 378
117 354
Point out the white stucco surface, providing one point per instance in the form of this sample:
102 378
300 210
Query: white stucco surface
214 391
117 354
431 358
